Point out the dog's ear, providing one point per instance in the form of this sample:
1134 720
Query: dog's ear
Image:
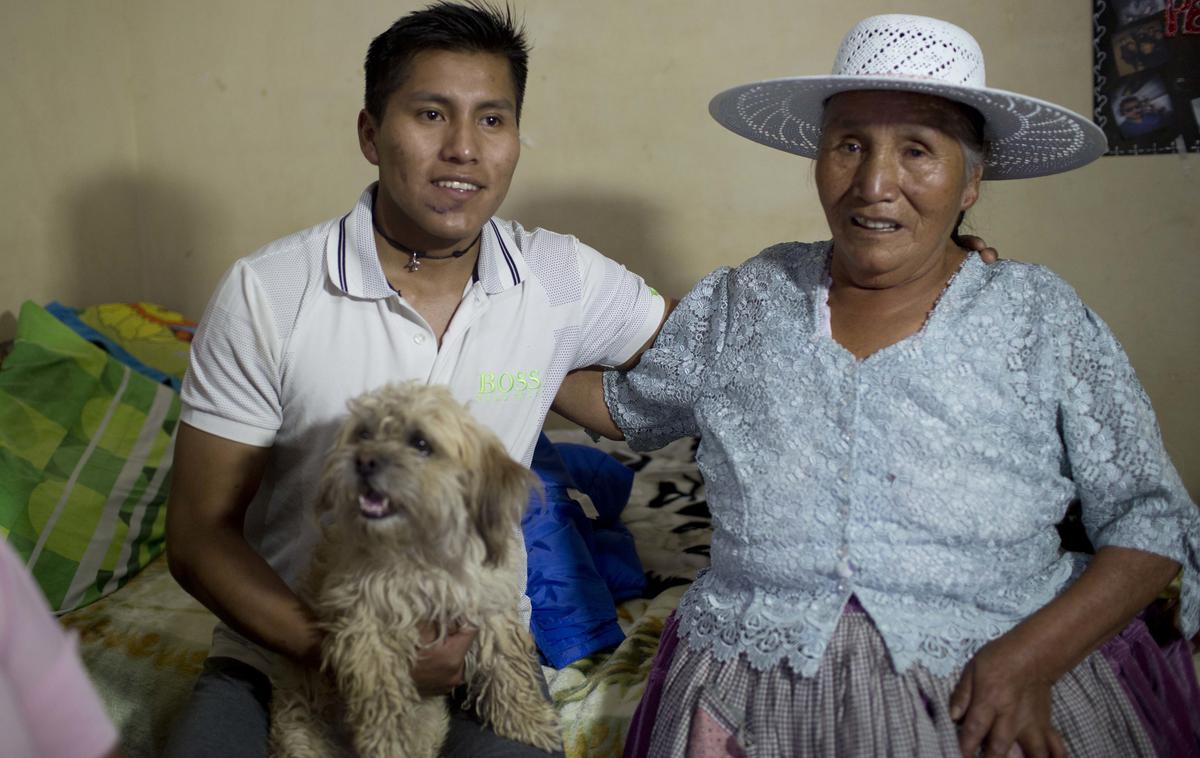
500 490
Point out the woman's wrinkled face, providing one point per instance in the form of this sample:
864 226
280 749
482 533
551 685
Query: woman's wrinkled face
892 179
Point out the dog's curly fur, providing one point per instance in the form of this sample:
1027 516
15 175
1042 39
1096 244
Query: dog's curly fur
420 506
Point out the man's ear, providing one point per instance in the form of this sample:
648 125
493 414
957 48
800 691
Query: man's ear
368 130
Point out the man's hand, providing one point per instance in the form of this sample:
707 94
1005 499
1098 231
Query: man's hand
1003 706
441 665
987 254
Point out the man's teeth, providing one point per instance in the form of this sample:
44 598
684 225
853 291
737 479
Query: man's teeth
457 185
876 225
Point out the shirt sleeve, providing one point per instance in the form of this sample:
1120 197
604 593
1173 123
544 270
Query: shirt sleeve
653 403
232 387
1130 492
620 312
58 709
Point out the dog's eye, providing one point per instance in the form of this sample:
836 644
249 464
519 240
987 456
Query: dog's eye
420 444
363 433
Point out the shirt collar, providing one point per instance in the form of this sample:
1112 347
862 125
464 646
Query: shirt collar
353 264
501 264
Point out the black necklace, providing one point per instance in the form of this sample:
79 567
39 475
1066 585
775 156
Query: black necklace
415 263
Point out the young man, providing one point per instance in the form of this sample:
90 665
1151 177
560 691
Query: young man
417 281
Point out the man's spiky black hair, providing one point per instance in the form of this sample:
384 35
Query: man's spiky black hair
473 26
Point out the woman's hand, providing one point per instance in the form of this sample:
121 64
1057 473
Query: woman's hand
1003 696
1003 705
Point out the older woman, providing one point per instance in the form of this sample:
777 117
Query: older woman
890 431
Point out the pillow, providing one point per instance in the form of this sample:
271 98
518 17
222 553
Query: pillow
146 337
85 453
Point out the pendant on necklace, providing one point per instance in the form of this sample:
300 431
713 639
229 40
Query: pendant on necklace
414 264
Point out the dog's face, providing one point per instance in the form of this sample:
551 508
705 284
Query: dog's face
413 470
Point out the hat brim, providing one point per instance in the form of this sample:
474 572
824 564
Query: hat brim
1028 137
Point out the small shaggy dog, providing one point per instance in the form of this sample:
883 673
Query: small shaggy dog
420 507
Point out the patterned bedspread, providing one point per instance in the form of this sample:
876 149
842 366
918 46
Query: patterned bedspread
145 643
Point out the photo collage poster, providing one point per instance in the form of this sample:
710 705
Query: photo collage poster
1147 75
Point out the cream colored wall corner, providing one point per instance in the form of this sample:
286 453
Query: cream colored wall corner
153 144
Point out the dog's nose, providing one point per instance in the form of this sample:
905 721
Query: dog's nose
366 464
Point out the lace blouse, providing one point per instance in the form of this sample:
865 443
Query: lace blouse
925 479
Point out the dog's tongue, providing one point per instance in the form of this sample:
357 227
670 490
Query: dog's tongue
373 505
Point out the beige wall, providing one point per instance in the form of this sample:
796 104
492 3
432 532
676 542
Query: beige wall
68 157
147 144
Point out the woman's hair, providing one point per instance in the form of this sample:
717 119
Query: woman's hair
966 125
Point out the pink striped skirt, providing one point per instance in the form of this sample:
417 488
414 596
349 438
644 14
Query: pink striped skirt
1133 697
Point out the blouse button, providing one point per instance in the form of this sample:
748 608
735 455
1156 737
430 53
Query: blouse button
844 569
419 338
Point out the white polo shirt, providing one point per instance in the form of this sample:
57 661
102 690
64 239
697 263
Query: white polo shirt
308 322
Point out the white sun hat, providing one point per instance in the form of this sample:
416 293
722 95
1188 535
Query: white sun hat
1028 137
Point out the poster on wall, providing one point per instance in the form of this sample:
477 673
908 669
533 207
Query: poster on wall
1147 75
